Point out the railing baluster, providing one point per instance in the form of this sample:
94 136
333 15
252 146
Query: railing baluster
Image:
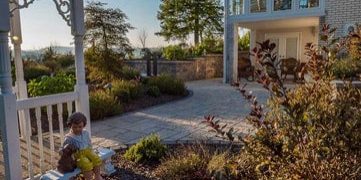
61 126
69 106
40 138
51 138
29 148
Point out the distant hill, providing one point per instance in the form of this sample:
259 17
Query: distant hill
36 54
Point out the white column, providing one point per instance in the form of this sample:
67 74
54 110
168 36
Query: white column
16 39
77 23
8 116
253 40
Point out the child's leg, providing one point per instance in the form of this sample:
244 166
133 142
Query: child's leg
96 171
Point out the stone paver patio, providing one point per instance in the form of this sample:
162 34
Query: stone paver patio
180 120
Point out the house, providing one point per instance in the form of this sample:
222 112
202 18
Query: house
288 23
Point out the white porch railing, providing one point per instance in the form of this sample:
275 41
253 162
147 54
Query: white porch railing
249 10
37 105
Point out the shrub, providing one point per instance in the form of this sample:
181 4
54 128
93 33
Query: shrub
146 150
33 70
129 73
51 85
102 104
244 42
65 60
127 90
220 166
168 85
317 137
174 52
346 68
153 91
188 163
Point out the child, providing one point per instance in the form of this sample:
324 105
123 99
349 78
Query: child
86 159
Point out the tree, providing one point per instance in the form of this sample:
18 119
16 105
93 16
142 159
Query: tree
142 36
180 18
106 29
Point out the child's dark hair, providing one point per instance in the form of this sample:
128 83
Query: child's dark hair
76 118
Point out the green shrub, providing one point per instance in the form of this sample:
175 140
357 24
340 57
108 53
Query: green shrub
127 90
65 60
51 85
147 149
102 104
34 70
168 85
244 42
129 73
153 91
346 68
174 52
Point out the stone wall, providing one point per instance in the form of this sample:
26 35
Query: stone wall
339 13
209 66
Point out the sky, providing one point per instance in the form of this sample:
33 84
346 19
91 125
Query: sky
43 26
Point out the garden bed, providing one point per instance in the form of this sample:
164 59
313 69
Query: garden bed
127 170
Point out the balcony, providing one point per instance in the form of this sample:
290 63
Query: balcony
258 10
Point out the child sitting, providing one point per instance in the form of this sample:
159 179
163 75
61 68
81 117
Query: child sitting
86 159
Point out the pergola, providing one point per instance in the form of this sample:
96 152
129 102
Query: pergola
14 102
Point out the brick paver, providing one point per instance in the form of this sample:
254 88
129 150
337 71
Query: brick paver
180 120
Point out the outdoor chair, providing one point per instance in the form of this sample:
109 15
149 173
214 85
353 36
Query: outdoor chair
288 67
245 69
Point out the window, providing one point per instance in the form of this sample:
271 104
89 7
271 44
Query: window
258 6
282 5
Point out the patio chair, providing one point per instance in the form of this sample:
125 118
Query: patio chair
245 69
289 67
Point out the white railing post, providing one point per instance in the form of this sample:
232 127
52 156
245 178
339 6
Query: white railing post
21 89
78 30
8 116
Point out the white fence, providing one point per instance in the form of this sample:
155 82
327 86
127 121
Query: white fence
46 105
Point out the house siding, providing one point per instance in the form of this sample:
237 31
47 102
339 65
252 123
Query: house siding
339 13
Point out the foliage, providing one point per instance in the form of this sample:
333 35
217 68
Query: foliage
127 90
66 60
178 19
168 85
129 73
188 163
353 43
153 91
102 104
33 70
102 70
244 42
51 85
221 166
147 149
106 29
346 68
175 52
317 137
208 45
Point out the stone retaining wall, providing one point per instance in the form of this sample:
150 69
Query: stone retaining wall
207 67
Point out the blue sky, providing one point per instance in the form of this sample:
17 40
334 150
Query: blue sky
43 26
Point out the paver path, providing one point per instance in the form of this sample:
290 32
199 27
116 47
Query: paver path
180 120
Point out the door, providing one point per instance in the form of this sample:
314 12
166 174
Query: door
287 44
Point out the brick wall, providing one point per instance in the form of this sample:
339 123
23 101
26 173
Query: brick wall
342 12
